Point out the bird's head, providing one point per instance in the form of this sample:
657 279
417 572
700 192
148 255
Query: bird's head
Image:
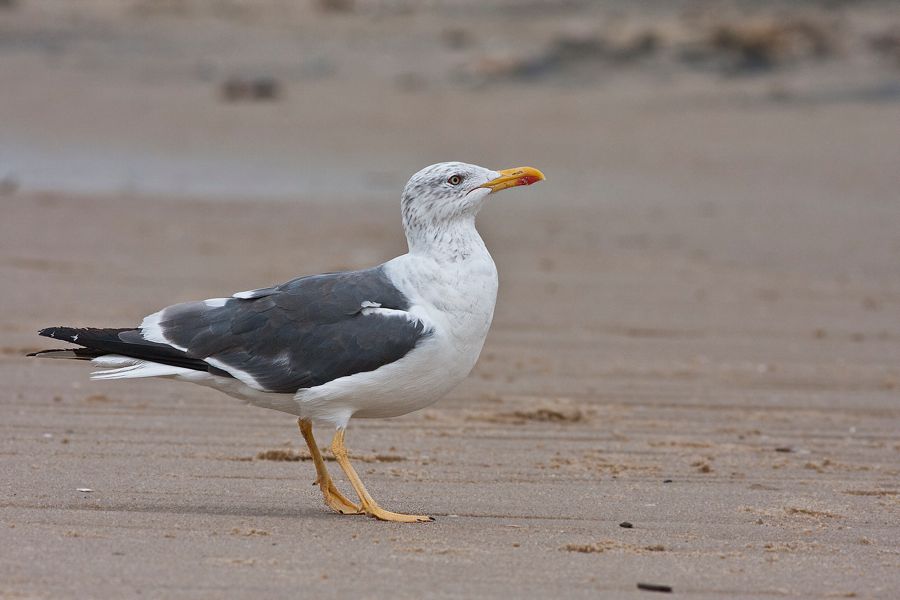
446 192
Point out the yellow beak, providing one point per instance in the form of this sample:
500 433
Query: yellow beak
514 177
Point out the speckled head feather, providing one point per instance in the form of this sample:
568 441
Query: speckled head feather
441 198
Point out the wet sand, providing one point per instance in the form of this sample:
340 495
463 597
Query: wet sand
697 333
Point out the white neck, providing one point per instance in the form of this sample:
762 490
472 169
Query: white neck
455 240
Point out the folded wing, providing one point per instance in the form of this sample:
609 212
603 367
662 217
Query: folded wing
300 334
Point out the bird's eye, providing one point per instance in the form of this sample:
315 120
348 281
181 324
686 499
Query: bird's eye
455 180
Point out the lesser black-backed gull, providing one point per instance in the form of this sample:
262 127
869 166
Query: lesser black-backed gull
380 342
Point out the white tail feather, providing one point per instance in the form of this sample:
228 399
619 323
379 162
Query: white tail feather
114 360
130 368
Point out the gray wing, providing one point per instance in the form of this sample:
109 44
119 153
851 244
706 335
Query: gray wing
300 334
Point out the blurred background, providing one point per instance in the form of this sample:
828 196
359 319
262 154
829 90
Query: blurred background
271 97
791 107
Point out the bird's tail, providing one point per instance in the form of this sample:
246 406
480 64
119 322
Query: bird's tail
123 349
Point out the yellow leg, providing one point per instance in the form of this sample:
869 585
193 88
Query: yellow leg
369 506
333 498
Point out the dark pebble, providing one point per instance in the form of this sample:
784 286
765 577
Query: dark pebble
667 481
266 89
653 587
626 525
256 89
784 449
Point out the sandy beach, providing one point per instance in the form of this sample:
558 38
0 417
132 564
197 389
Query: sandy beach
697 329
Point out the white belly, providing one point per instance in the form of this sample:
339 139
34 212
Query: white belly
417 380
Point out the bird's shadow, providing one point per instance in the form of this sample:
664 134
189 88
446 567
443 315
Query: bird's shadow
233 509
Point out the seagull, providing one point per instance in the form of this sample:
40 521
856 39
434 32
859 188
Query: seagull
376 343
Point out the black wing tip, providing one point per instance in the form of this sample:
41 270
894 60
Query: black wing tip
56 333
77 353
65 332
52 332
50 351
127 341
